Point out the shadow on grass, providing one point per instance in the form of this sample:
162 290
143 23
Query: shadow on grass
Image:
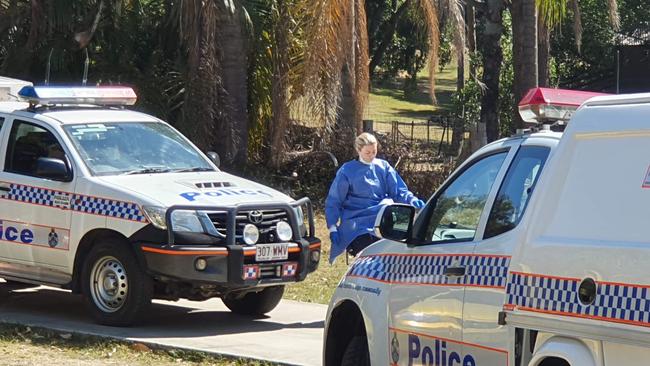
394 89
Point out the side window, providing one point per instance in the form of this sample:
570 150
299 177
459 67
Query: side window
455 214
516 190
28 143
2 122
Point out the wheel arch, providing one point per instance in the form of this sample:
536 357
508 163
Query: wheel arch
86 244
346 322
563 351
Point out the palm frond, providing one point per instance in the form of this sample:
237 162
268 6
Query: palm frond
327 43
614 17
430 14
362 61
552 11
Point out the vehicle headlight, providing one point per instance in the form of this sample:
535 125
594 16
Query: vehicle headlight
156 216
251 234
283 229
185 220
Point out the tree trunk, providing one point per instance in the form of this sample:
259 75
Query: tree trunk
543 52
490 47
345 129
524 52
202 111
460 72
279 86
233 52
354 79
471 36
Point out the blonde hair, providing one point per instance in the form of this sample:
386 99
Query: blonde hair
364 139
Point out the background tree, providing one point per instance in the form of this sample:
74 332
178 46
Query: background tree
336 71
216 98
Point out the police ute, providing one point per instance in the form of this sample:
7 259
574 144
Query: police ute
430 292
119 206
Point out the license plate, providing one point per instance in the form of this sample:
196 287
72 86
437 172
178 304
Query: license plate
271 252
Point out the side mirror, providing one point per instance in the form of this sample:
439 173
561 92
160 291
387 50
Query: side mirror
214 157
395 222
55 169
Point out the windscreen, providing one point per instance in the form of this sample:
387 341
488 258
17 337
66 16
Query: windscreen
134 148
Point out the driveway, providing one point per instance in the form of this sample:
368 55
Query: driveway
290 334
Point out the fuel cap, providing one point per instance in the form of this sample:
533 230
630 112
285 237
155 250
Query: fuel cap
587 291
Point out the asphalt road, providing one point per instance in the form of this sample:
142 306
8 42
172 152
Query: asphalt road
290 334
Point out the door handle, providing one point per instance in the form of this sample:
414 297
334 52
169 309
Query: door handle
454 271
5 189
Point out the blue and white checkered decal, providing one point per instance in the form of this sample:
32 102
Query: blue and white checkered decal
481 270
35 195
621 303
107 207
76 202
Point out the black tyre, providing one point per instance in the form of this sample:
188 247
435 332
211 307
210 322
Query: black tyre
356 353
254 303
116 290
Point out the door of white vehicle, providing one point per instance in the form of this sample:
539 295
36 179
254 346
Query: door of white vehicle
35 213
428 279
484 339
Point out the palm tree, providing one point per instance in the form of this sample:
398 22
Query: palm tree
336 71
531 44
216 98
489 46
524 51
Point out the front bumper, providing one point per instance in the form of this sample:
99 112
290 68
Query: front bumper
231 266
229 263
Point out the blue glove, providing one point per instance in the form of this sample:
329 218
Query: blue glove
418 203
334 237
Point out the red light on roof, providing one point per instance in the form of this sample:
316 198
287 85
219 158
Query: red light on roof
557 96
550 105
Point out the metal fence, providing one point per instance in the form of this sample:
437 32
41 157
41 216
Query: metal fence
435 130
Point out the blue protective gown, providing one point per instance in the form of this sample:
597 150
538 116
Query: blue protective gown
356 196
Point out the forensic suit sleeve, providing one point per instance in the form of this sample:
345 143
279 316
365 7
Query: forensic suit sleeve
335 198
396 187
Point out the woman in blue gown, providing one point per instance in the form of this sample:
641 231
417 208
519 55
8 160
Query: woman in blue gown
359 190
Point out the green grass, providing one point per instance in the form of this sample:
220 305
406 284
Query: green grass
22 345
319 285
387 101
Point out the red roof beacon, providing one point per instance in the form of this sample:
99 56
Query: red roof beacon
546 105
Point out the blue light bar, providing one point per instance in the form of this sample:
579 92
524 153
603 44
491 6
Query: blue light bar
51 95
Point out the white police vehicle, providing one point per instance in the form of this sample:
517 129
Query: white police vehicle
430 292
119 206
578 291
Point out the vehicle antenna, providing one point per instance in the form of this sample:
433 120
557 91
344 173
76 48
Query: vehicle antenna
86 63
47 70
